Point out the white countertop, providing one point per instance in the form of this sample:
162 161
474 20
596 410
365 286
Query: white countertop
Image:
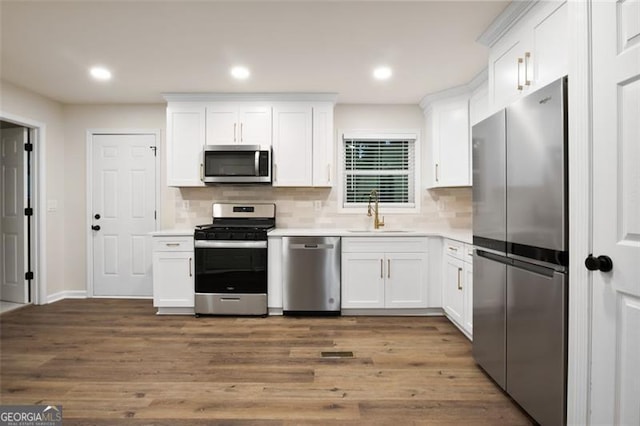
463 236
172 233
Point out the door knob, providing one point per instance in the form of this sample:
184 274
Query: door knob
602 263
95 227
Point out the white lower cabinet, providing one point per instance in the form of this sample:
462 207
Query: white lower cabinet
457 292
274 280
384 273
173 272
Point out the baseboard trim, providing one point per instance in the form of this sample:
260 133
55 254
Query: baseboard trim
394 312
67 294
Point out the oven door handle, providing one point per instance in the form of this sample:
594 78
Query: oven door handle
229 244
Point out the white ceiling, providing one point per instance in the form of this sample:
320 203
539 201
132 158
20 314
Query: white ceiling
154 47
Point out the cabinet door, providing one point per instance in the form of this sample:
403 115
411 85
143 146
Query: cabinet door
506 72
468 297
453 139
185 140
323 145
255 125
222 124
550 46
453 299
362 280
292 145
173 279
406 280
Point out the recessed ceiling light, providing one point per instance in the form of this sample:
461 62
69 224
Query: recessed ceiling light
241 73
382 73
100 73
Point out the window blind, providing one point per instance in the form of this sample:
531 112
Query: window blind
386 165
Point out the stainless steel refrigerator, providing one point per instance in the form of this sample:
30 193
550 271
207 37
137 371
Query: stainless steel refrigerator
520 234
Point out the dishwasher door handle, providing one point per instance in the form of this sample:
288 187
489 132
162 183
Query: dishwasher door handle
311 246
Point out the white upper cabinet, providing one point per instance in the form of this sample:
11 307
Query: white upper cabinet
479 104
447 122
323 145
185 139
303 144
231 123
292 144
530 55
298 126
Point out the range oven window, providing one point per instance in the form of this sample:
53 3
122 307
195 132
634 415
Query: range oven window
231 270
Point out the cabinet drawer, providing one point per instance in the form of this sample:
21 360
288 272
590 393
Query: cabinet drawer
384 244
468 253
454 248
173 244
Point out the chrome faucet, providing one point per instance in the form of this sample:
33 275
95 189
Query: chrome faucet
377 223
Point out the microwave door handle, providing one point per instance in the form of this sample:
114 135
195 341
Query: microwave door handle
257 163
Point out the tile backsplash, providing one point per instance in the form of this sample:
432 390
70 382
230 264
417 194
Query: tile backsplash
441 209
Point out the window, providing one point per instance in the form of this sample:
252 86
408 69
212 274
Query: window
384 162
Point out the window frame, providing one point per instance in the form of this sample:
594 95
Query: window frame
377 134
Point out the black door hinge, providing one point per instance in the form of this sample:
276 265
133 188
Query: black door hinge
28 211
28 147
155 150
28 275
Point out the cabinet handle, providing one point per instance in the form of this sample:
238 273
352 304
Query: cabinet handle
381 266
201 172
453 248
459 280
527 55
275 172
236 125
328 173
190 273
388 268
241 127
520 61
172 244
437 172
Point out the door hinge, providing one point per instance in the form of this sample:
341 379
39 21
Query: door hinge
28 275
155 150
28 147
28 211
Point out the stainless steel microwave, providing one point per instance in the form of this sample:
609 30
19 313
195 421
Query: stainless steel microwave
236 164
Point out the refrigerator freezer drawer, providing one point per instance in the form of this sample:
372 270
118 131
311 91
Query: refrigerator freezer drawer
489 317
537 341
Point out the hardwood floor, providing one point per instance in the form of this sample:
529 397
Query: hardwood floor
110 361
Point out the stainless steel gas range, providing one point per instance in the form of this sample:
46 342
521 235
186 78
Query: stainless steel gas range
231 260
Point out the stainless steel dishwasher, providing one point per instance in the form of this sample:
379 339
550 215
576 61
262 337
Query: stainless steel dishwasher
311 275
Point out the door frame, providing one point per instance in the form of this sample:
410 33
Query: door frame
89 192
37 134
580 213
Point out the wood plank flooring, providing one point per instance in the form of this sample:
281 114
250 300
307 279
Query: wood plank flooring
110 361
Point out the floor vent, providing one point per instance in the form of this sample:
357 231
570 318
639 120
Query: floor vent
340 354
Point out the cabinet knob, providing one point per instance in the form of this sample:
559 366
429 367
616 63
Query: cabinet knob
95 227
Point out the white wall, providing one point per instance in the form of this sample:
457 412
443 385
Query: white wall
16 101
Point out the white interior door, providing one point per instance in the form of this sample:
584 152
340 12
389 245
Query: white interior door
124 205
615 374
13 287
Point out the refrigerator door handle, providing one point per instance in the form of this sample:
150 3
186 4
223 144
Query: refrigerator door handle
494 257
530 267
